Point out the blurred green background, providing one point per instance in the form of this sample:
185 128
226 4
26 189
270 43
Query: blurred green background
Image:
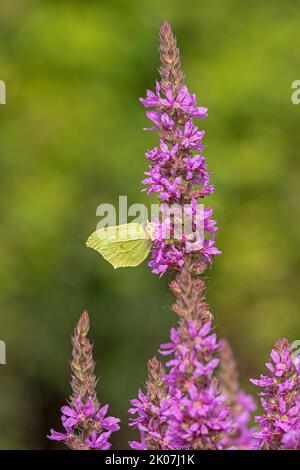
71 138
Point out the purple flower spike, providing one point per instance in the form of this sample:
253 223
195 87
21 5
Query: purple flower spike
148 407
196 411
279 427
185 407
85 418
86 424
178 171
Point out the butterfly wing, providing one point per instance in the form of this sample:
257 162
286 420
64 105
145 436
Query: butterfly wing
122 246
125 253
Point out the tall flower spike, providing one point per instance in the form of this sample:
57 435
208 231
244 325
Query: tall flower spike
240 403
196 411
85 423
150 422
279 426
193 413
178 171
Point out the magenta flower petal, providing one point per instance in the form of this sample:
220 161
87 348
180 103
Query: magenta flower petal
57 436
68 411
111 424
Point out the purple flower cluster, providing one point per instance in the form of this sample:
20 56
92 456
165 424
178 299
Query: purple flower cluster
198 419
86 428
149 407
173 242
191 349
183 103
193 414
178 171
150 422
197 415
280 424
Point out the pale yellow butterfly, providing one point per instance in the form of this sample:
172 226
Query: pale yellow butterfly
122 245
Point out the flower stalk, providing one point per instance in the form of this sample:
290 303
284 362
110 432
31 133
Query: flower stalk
148 406
86 426
192 414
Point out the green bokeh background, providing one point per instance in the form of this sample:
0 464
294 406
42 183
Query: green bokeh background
71 138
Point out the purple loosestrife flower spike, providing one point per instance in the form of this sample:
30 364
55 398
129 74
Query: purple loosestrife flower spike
85 423
192 414
150 422
241 404
279 426
196 410
178 171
